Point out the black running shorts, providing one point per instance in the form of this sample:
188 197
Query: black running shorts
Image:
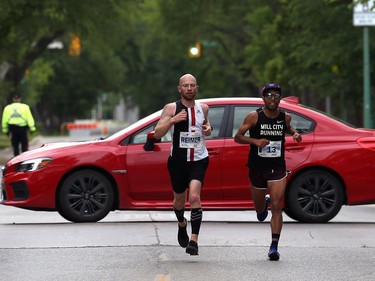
182 172
260 178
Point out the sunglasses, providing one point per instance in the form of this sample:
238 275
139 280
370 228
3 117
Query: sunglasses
270 95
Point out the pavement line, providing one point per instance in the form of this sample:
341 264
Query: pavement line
162 278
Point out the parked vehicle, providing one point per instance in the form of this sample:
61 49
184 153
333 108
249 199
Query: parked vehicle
84 181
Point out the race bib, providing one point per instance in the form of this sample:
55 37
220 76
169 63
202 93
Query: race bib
191 140
273 149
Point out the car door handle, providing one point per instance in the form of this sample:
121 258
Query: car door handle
295 148
213 152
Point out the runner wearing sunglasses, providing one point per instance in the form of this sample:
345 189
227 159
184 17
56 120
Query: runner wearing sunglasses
267 170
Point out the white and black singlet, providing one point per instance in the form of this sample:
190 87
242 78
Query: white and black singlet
271 156
188 142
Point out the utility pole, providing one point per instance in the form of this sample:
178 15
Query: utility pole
364 15
367 118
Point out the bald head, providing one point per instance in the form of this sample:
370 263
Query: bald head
187 77
188 87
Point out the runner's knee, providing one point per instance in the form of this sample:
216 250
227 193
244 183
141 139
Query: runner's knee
194 199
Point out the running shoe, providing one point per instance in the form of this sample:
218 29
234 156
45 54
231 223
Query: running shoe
273 254
192 248
263 215
182 236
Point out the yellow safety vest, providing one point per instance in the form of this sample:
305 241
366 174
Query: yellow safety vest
18 114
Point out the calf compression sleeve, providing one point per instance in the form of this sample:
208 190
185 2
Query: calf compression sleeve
196 220
179 214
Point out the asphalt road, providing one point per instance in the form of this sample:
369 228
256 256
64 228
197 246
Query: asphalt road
141 245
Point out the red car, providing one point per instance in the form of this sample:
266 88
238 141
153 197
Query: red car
84 181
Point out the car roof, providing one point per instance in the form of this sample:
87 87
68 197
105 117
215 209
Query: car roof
246 100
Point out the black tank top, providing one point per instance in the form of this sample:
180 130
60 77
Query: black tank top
273 129
194 147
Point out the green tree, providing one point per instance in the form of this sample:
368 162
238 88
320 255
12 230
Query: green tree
320 57
28 27
60 86
220 27
139 49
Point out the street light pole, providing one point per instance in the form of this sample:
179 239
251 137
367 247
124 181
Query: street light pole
364 16
366 80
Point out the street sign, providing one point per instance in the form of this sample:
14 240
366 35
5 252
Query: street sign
364 14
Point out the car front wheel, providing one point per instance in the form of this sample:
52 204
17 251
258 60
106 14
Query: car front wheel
85 196
314 196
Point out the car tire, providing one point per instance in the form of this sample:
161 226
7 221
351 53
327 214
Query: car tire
85 196
314 196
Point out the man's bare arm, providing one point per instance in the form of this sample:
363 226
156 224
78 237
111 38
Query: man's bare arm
207 129
249 122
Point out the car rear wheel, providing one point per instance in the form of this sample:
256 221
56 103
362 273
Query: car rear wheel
85 196
315 196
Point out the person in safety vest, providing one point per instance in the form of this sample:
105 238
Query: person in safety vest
16 123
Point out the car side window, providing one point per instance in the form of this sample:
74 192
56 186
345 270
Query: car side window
215 115
301 124
240 112
141 136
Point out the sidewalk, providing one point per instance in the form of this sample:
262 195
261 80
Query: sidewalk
5 154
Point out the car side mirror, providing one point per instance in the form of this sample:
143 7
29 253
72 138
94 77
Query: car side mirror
150 141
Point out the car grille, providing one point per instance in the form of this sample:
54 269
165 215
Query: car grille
3 195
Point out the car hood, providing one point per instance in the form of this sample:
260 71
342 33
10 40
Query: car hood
49 150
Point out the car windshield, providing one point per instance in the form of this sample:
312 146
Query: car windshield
134 125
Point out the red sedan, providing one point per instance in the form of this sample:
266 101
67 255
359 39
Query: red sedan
84 181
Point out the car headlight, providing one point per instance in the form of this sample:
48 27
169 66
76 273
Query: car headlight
33 164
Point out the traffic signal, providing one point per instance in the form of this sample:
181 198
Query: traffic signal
195 50
75 46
